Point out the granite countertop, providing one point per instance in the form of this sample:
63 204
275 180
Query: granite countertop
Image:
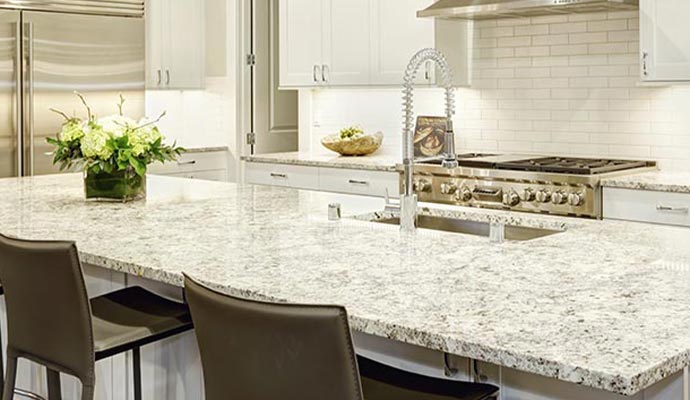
374 162
205 149
603 304
660 181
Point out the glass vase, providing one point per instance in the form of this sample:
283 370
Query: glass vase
116 186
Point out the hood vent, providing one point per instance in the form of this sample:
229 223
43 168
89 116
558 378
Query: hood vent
494 9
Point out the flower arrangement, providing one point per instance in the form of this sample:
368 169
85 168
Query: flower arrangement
113 151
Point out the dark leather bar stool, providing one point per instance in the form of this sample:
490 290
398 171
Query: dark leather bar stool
263 351
51 321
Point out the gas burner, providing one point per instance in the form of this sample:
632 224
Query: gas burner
577 166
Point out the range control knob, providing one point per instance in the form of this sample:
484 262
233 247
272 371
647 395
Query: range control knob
421 185
576 199
543 196
528 194
465 194
559 197
511 199
448 188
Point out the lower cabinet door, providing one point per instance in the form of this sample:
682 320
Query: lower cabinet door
369 183
647 206
294 176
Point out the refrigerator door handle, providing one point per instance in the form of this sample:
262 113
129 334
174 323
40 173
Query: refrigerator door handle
29 103
19 121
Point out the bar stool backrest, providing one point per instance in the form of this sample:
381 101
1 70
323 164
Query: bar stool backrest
253 350
48 310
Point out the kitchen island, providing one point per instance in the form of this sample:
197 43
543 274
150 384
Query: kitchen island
602 305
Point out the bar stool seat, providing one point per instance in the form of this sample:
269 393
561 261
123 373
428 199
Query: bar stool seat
134 317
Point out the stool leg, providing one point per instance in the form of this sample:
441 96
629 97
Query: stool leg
8 389
2 365
54 389
136 361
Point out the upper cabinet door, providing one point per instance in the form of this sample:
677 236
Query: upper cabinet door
175 44
397 34
155 39
301 42
184 53
347 42
664 40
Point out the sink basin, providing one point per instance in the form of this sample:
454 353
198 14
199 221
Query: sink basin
518 233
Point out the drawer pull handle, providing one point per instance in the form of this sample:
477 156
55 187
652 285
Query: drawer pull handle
281 176
680 210
191 162
356 182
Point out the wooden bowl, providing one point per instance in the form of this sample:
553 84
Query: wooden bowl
360 146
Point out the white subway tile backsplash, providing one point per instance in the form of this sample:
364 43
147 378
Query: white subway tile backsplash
568 28
563 84
609 25
591 37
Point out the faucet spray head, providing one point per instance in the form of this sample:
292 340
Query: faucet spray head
450 159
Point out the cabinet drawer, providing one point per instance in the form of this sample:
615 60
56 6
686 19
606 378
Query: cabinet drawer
192 162
370 183
647 206
294 176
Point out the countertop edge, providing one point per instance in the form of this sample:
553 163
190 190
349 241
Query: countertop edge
206 149
323 164
658 181
626 386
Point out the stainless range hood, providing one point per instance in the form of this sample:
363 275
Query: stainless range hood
493 9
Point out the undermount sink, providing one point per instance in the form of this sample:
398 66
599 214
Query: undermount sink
517 233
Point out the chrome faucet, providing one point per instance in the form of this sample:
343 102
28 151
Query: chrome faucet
408 199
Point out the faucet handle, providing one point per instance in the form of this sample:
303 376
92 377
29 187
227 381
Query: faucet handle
391 206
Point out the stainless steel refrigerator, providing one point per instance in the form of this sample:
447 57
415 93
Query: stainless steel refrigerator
48 50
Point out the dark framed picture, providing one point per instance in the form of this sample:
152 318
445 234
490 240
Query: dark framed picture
429 136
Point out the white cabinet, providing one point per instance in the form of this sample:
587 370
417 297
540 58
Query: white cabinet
362 42
338 180
351 181
293 176
212 166
664 43
301 42
664 208
175 44
346 42
397 34
322 42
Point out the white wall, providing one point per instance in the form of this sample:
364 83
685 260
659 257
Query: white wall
548 85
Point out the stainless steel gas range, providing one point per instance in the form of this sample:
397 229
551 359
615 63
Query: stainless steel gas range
538 184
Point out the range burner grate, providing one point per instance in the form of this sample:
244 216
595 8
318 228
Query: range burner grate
566 165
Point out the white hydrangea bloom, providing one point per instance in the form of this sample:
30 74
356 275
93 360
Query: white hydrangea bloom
116 124
72 131
94 144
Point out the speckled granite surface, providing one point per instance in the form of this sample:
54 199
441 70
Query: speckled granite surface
603 304
676 182
206 149
375 162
